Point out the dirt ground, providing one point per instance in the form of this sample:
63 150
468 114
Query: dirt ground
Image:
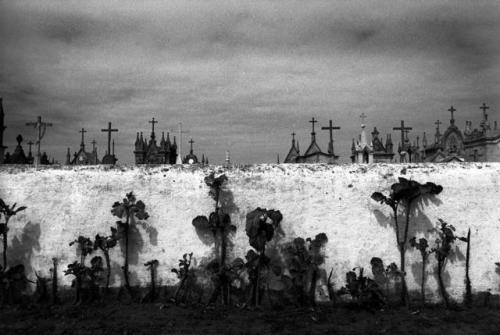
172 319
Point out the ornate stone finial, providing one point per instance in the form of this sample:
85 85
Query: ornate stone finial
19 139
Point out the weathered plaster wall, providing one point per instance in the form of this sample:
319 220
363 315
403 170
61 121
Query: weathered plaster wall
63 203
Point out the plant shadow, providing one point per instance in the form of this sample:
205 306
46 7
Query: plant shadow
21 249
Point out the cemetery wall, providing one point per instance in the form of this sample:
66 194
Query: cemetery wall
66 202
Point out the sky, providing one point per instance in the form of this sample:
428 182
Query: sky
243 75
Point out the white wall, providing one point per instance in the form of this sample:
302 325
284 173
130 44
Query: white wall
63 203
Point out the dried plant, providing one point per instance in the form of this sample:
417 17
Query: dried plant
151 266
129 210
444 242
7 212
184 274
85 247
304 260
105 243
260 227
423 246
219 225
404 194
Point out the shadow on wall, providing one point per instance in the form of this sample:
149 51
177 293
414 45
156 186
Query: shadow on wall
136 245
419 221
226 200
117 273
21 249
456 255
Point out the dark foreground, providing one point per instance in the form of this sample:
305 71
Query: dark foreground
171 319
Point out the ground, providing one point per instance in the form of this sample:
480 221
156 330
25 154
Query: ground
170 319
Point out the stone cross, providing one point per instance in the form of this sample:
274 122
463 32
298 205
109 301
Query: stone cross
404 130
83 131
191 143
330 128
42 127
484 108
293 136
109 130
437 123
313 121
452 110
153 130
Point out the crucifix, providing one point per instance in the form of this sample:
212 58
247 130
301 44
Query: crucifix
404 131
330 128
83 131
484 108
42 127
179 154
313 121
452 110
191 143
153 131
109 131
437 123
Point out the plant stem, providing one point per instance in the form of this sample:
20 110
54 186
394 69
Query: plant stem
55 297
403 279
444 294
402 250
422 286
125 266
5 251
153 288
312 288
468 288
108 268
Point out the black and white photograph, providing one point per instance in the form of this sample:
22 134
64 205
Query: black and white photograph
249 167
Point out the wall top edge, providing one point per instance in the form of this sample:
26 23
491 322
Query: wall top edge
361 168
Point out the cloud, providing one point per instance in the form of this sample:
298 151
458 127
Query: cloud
243 75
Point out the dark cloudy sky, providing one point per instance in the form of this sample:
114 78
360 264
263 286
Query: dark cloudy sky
242 75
